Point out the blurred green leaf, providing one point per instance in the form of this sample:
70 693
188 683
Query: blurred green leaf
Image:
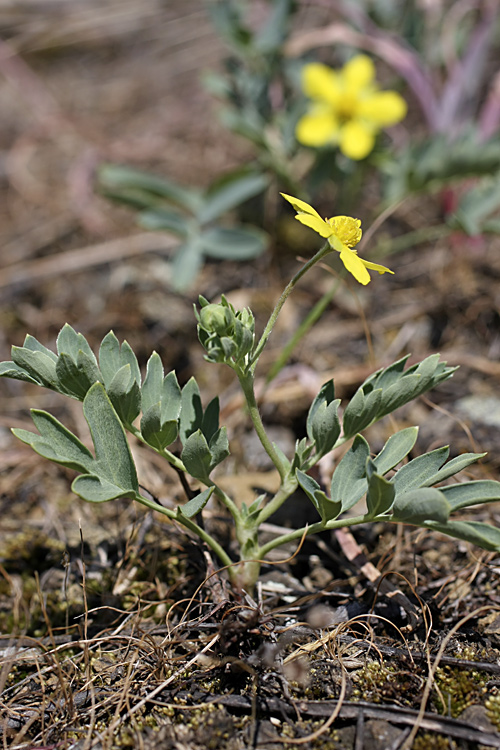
234 243
230 191
115 180
163 220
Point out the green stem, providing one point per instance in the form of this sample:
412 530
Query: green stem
226 501
286 292
312 317
192 526
173 460
287 488
247 385
314 528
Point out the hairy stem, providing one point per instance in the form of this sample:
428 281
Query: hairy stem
314 528
286 293
192 526
312 317
247 386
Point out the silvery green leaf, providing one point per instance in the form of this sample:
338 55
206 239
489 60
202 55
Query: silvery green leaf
125 395
40 366
97 489
151 391
196 504
76 373
481 534
11 370
323 426
326 508
196 456
361 411
326 394
210 421
56 442
156 433
191 410
219 447
380 494
395 387
349 481
112 452
70 342
109 357
127 357
171 398
421 505
396 448
31 343
471 493
453 467
417 472
303 452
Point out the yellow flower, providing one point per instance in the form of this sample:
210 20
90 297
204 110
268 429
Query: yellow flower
342 233
347 107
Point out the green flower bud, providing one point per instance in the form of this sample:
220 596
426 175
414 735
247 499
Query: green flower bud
217 319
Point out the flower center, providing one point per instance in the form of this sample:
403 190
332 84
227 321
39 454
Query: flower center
347 229
346 107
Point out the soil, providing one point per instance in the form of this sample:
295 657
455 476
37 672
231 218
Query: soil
111 632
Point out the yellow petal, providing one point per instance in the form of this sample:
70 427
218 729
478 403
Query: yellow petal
317 128
355 265
357 139
376 267
336 243
316 223
301 206
358 73
321 83
383 108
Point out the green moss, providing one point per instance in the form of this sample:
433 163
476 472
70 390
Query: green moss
377 682
429 741
492 705
459 688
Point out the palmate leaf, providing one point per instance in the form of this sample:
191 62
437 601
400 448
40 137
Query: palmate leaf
112 452
56 442
392 387
108 475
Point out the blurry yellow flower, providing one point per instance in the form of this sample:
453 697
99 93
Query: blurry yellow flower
342 233
347 107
